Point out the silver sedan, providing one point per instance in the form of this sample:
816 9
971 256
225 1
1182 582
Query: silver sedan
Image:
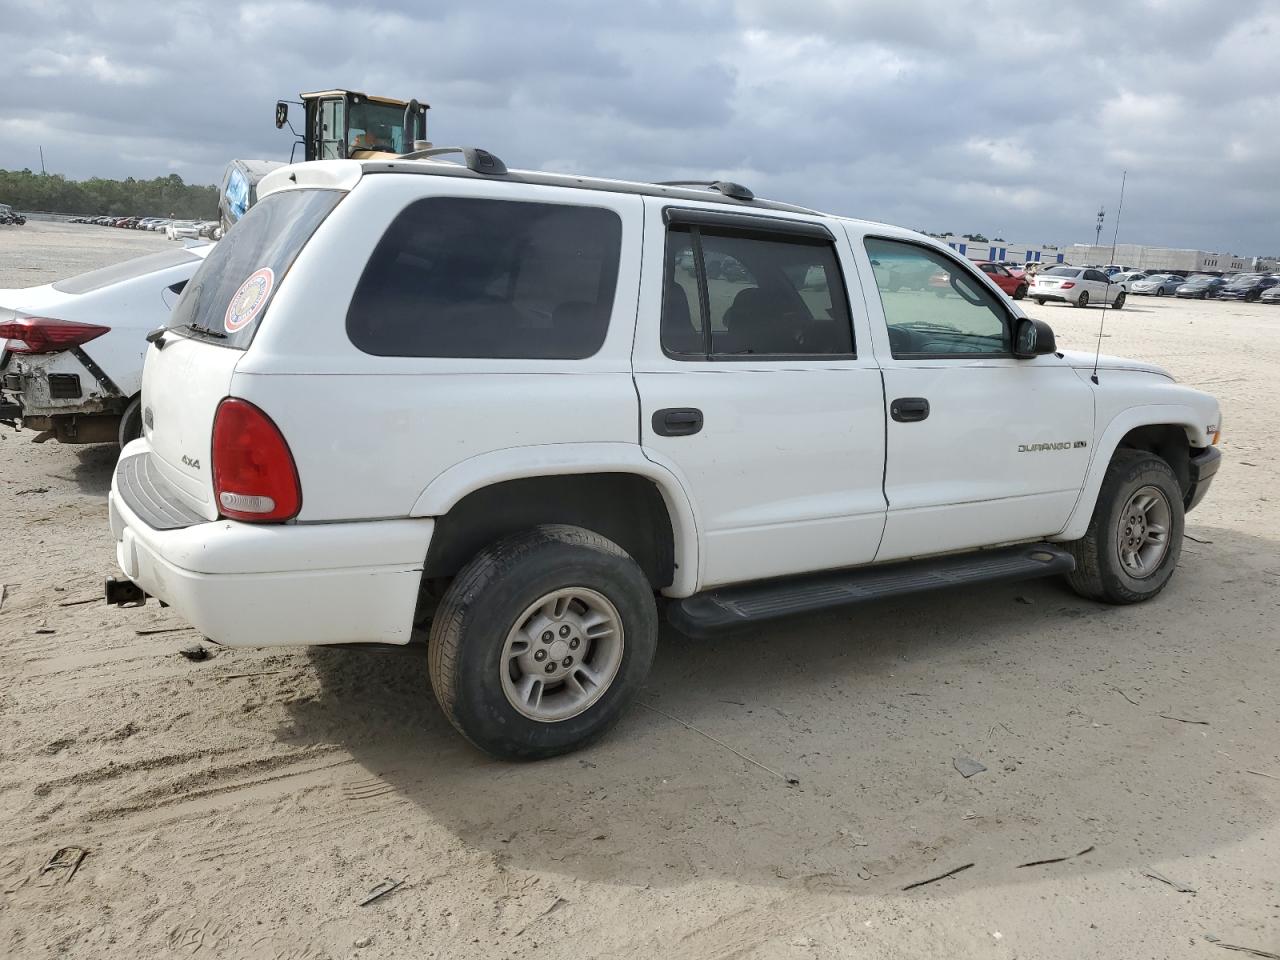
1158 284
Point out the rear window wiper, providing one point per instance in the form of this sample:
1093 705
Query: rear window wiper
197 328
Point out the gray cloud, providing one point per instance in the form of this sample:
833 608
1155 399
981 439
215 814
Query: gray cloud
961 115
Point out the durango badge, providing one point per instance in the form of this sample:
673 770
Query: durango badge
1061 445
249 300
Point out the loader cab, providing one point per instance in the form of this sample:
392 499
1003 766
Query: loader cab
343 123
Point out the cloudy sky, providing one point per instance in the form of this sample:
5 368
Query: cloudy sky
1006 119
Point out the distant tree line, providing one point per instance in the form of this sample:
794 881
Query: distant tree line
54 193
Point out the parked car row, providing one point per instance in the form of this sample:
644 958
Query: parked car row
1203 286
173 229
1081 286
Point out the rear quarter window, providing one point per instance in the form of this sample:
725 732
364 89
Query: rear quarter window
226 300
462 277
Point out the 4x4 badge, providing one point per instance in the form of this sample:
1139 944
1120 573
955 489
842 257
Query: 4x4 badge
193 464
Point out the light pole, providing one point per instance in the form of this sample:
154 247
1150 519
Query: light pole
1097 233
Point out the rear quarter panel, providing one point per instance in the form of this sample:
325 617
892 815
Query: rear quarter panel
370 433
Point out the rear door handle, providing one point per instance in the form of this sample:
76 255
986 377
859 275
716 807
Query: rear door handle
909 409
677 422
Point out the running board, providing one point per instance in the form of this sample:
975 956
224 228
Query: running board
714 611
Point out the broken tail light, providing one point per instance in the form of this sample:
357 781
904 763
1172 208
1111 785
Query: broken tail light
46 335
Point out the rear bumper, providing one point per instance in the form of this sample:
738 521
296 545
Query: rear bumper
1203 467
61 393
260 585
1035 294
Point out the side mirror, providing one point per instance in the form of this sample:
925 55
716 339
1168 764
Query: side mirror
1033 338
282 114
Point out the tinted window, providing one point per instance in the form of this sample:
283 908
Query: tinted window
1097 275
455 277
765 295
228 296
129 270
954 314
1062 272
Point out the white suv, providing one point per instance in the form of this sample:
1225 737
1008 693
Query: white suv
521 409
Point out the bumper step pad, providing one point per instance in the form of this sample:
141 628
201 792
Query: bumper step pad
715 611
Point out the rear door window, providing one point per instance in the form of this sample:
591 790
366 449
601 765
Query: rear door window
766 295
492 279
227 298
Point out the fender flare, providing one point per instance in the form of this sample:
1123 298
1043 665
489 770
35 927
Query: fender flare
563 459
1165 414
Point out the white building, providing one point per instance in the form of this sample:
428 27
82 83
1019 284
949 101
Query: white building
1141 257
1001 250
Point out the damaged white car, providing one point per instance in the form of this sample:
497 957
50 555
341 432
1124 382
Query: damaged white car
71 351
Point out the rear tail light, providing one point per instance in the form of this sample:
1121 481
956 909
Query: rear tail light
1068 285
45 335
254 476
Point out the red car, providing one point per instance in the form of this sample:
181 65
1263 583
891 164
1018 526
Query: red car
1014 284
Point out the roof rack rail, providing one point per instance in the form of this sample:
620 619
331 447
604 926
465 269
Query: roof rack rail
727 187
476 159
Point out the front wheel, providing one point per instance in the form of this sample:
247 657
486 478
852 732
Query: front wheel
1020 292
1083 299
541 641
1134 538
1159 291
1119 304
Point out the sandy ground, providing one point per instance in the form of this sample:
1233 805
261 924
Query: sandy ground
245 806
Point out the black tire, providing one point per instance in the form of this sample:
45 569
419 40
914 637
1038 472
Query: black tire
480 608
1099 574
1040 300
1159 291
1020 292
1119 304
1083 300
131 421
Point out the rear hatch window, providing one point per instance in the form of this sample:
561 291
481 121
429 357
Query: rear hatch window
226 299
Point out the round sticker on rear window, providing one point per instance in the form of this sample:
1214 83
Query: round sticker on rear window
249 300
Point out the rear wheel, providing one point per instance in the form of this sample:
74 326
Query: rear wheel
1040 300
1159 291
1083 299
1134 538
131 421
541 641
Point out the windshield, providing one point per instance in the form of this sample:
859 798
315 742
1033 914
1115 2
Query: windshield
229 294
1062 272
1245 279
377 126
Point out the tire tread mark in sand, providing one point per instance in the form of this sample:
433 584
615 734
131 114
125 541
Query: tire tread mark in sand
366 789
206 783
300 831
111 771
